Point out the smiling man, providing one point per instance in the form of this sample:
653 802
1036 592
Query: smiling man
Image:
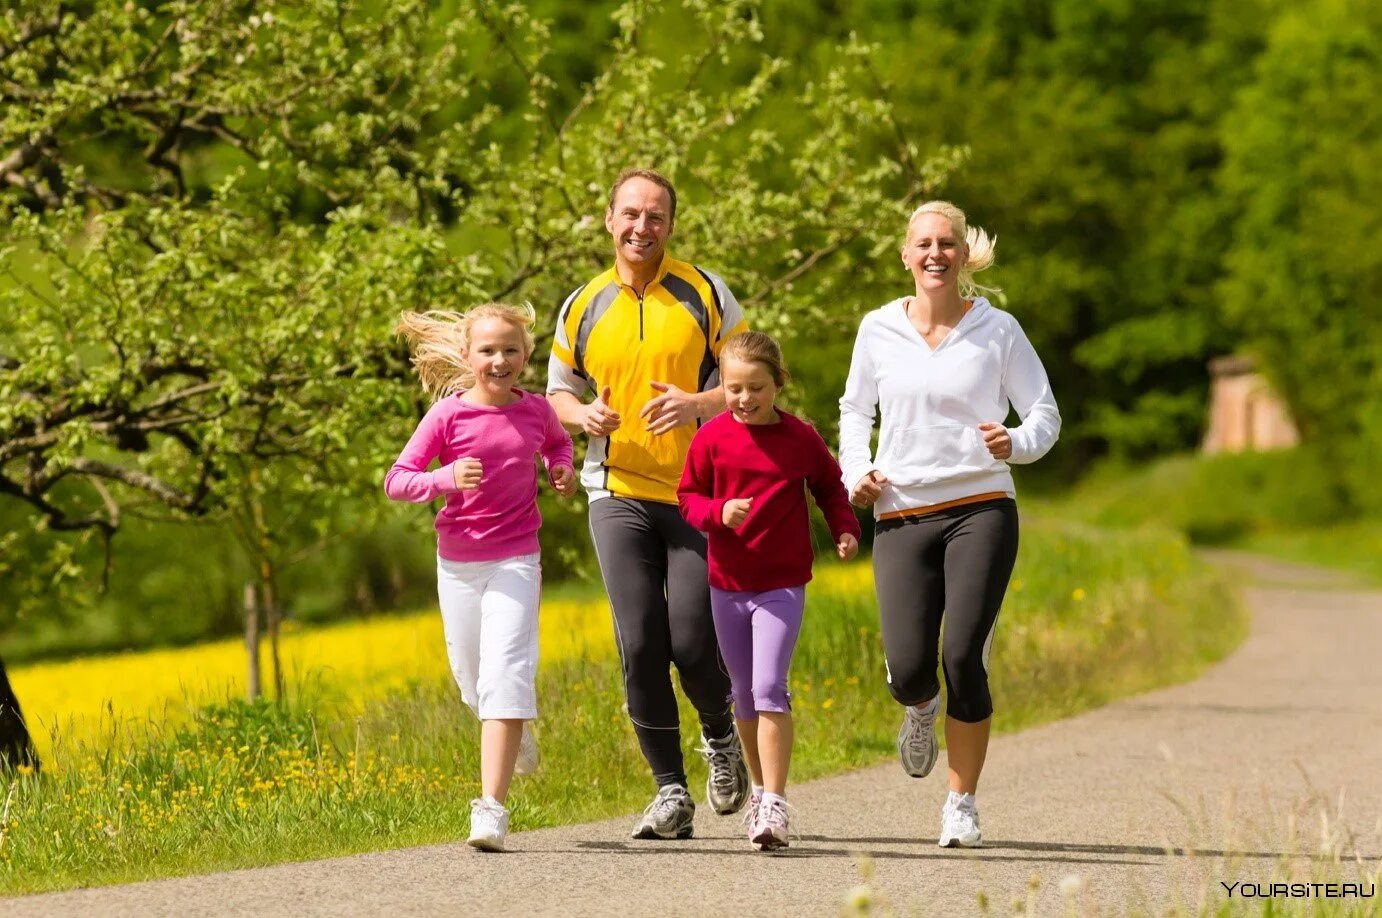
643 338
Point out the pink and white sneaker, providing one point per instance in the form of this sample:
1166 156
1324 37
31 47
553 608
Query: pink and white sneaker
770 827
751 812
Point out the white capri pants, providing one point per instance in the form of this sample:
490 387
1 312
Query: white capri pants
489 617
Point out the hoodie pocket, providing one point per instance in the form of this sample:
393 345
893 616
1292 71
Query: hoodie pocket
925 455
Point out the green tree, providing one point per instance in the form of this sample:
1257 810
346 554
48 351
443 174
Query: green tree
215 212
1304 168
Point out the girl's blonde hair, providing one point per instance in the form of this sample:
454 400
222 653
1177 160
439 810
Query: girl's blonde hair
980 246
760 348
440 340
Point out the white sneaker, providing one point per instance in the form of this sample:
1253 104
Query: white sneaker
489 824
960 824
916 740
528 757
770 826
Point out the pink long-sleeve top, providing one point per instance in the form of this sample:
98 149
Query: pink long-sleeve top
499 519
775 464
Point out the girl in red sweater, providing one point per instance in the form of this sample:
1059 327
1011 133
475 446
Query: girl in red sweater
745 484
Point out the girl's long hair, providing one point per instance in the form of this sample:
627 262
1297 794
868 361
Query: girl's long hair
440 339
980 245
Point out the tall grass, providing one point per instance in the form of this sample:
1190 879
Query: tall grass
338 768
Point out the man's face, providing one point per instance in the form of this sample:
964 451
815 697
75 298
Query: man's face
640 220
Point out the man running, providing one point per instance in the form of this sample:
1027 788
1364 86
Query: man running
644 338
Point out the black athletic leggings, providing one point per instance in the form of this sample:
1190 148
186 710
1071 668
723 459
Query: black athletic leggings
952 564
654 568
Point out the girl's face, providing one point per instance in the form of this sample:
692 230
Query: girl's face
496 355
749 390
934 253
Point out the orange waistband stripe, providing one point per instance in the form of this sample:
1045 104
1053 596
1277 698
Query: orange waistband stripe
935 508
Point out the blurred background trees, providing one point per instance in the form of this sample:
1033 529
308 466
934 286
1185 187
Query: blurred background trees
214 211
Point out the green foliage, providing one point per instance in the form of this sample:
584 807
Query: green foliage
1303 145
214 212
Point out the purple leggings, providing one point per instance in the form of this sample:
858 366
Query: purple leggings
757 634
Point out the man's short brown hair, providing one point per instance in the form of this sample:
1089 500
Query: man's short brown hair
657 178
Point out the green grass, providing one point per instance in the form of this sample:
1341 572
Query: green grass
1092 615
1279 504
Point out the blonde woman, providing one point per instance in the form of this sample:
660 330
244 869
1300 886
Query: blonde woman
486 432
942 367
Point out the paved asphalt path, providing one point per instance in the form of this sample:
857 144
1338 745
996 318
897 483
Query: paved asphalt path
1143 805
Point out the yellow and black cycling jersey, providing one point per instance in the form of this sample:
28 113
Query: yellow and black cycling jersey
608 335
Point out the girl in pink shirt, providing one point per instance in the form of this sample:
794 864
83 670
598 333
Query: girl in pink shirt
745 484
487 435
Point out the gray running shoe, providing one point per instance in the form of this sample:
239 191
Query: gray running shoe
670 815
916 741
727 784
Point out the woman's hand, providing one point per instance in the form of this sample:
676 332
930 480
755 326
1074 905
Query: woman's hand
869 489
997 439
847 547
563 479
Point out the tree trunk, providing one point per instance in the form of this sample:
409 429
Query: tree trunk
16 747
252 684
272 619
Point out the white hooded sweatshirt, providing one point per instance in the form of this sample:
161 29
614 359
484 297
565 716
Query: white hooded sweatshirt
933 401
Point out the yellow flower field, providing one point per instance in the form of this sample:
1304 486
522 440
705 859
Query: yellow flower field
83 697
86 697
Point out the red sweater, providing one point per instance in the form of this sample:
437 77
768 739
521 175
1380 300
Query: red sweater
770 463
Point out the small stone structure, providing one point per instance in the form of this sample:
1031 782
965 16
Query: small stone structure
1244 413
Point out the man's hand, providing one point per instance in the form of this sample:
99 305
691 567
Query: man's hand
847 547
599 419
736 511
466 473
674 408
869 489
997 439
563 479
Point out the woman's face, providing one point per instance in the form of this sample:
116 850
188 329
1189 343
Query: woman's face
496 355
933 252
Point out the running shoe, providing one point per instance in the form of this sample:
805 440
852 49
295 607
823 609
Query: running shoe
770 826
489 824
916 741
528 757
670 815
960 825
727 784
751 813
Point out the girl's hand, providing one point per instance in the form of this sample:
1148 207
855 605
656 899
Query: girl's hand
467 474
736 511
563 479
869 489
997 439
847 547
